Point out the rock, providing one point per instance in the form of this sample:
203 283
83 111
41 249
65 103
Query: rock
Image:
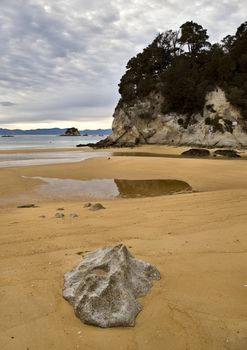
73 215
87 205
142 121
105 143
59 215
28 206
72 132
227 153
60 209
104 287
85 145
196 152
96 206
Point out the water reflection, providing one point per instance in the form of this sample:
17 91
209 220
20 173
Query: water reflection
109 188
144 154
150 188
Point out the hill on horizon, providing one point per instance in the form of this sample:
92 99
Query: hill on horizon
52 131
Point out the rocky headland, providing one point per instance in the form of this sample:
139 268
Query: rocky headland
183 91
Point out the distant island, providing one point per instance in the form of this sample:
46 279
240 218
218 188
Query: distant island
72 132
52 131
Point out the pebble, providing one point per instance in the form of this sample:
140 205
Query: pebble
96 206
59 215
87 205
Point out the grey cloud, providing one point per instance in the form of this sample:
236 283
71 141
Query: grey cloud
64 58
7 104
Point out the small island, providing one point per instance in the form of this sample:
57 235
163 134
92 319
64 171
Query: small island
71 132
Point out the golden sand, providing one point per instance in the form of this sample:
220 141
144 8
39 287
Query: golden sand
197 240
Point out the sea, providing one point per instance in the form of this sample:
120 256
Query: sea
11 154
45 141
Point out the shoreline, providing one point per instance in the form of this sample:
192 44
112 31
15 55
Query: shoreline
197 240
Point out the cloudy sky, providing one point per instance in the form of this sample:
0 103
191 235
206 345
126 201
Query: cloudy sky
61 60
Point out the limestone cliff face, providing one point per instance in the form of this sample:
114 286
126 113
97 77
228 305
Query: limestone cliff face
219 125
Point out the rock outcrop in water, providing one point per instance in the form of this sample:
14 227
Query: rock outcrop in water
103 288
72 132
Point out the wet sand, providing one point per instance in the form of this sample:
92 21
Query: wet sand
197 240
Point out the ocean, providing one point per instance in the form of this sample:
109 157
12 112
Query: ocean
45 141
29 145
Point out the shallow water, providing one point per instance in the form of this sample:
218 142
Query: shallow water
109 188
45 141
42 158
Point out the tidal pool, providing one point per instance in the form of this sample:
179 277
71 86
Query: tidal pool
109 188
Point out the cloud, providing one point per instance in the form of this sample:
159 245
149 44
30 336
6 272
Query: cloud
7 103
62 60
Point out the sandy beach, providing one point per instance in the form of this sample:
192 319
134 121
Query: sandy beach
197 240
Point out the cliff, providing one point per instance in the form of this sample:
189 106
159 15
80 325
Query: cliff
220 124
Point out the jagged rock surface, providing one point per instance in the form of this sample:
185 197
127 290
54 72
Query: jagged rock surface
104 287
141 122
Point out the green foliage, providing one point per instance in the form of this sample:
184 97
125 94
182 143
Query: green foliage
228 125
217 126
184 66
194 36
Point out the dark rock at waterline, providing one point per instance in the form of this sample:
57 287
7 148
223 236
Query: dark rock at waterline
100 144
104 287
196 152
86 145
107 143
227 153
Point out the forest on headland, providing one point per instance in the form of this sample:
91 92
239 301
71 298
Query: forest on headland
183 66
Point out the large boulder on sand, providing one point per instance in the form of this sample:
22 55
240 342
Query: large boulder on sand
103 288
196 152
230 153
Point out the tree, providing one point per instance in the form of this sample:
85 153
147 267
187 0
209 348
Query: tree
144 69
228 42
183 66
194 36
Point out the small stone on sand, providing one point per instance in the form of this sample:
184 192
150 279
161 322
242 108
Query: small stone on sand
59 215
96 206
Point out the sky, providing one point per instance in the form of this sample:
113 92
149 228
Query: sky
61 60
